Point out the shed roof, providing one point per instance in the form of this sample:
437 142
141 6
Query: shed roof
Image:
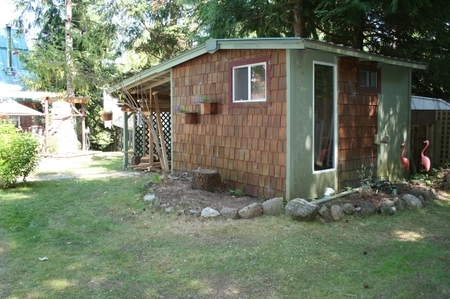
424 103
160 74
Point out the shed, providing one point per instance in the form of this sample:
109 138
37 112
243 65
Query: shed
430 120
295 116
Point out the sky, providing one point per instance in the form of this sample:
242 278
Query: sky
7 13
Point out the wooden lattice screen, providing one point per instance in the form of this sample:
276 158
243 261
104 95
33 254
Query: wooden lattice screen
443 135
141 146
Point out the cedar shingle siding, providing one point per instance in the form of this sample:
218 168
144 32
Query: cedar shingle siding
246 144
358 119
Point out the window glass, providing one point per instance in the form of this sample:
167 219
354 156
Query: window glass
249 83
368 79
324 117
258 83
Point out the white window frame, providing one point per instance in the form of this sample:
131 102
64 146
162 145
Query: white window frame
370 78
334 146
249 83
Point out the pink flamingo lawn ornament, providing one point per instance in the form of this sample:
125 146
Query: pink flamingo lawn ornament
405 161
425 160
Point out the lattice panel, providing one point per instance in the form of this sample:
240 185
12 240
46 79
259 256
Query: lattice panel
140 138
444 116
166 125
142 135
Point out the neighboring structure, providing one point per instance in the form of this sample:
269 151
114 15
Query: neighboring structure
62 129
294 117
430 120
11 45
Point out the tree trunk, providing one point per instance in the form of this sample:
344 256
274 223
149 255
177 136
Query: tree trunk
69 46
207 179
299 20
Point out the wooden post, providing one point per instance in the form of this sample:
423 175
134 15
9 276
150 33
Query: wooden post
83 127
161 134
125 140
150 137
47 123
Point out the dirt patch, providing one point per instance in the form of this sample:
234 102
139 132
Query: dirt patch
178 193
390 191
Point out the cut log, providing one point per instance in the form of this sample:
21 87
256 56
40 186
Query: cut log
135 160
207 179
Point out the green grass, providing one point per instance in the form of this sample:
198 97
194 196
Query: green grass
102 241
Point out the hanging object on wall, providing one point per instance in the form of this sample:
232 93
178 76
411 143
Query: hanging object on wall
425 160
139 121
405 161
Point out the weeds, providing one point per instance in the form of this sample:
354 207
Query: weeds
237 192
365 180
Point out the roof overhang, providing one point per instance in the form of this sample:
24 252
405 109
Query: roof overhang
26 96
161 72
425 103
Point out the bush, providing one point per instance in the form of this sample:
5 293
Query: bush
18 154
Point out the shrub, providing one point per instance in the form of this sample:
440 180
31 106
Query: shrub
18 154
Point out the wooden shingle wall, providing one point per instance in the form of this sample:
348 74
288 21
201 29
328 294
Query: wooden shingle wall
246 144
358 118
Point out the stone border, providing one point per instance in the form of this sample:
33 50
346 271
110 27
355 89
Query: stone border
302 210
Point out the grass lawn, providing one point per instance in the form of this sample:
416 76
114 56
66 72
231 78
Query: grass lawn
102 241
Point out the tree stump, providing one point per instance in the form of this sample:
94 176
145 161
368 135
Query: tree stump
207 179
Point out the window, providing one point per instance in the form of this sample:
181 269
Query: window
249 80
324 116
369 78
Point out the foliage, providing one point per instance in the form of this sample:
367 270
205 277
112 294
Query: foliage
237 192
149 32
427 178
18 154
159 29
103 111
92 47
366 180
101 140
201 99
392 28
91 54
180 109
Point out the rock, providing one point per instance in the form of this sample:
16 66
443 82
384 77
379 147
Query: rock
416 192
336 212
229 213
169 209
368 208
301 210
412 201
250 211
152 199
320 219
387 209
209 213
273 206
348 208
389 203
399 203
430 195
325 213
